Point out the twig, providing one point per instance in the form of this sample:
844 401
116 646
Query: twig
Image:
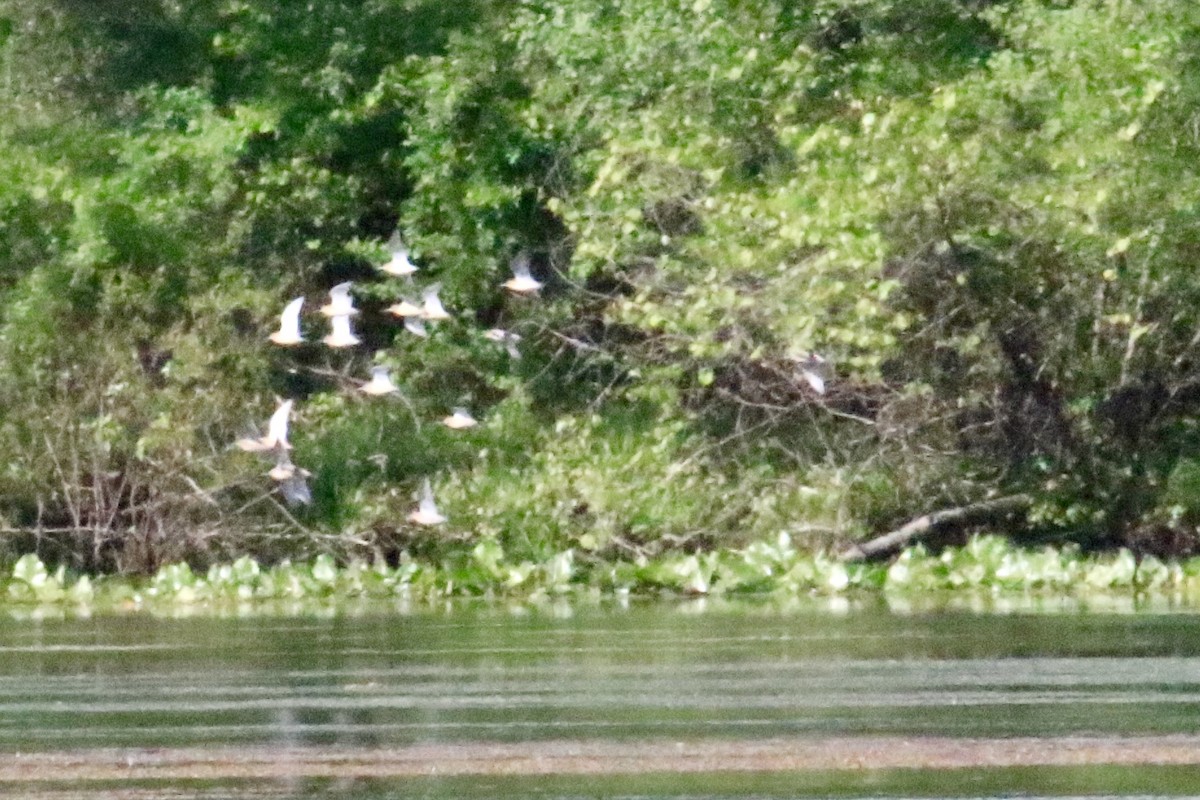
283 510
203 495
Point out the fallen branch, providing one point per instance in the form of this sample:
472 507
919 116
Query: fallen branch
987 511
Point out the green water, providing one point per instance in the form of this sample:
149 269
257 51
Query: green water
652 671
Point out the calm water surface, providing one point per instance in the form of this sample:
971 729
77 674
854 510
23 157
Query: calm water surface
115 698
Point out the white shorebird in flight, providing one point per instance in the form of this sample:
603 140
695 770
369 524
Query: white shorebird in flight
431 306
815 370
506 338
290 479
405 308
341 335
340 304
398 264
459 419
522 281
427 512
289 325
380 383
277 432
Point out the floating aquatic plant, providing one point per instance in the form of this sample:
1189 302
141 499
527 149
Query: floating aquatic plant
986 565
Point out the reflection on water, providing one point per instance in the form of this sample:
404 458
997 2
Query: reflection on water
656 672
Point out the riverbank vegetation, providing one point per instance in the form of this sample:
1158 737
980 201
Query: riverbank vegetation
981 213
986 572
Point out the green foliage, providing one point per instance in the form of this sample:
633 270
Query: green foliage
980 213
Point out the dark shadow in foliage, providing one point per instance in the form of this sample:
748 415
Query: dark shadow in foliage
140 43
839 30
923 42
29 234
763 409
1098 449
578 365
949 31
283 47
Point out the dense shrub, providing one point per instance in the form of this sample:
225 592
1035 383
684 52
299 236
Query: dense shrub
980 213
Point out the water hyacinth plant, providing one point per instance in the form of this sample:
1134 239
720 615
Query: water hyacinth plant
984 566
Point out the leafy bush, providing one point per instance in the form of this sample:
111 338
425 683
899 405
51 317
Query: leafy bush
979 213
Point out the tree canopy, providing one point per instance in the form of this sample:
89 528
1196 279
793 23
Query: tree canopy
980 213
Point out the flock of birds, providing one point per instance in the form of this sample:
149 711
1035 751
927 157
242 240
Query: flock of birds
290 479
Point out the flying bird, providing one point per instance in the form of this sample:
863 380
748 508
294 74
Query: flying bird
815 370
405 308
341 335
398 264
289 325
522 282
291 480
380 383
459 419
427 512
506 338
340 304
432 308
277 432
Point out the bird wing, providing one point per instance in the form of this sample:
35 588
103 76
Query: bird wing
814 380
277 428
381 378
341 326
426 504
433 303
396 245
295 490
282 459
340 301
520 266
289 321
